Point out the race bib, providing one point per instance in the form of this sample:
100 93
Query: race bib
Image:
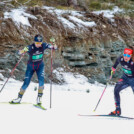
129 72
37 57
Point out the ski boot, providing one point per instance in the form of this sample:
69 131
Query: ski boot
39 97
39 102
117 112
16 101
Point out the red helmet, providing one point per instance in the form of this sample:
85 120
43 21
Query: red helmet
128 51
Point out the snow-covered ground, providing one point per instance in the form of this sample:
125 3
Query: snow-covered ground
109 13
75 19
19 16
67 103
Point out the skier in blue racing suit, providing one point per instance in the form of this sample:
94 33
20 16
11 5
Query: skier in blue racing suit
127 79
35 64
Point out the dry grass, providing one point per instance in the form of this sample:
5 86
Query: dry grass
64 7
27 2
87 4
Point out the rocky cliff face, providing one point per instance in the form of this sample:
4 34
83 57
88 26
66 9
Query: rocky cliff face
88 43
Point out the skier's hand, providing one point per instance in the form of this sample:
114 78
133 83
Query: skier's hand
113 70
23 50
52 40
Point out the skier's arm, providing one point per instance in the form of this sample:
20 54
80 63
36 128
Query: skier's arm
113 69
49 46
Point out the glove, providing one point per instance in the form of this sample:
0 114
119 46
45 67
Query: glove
52 40
113 70
25 49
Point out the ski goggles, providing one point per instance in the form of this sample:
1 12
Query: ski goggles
127 55
38 43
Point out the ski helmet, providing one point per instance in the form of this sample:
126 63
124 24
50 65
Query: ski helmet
128 51
38 38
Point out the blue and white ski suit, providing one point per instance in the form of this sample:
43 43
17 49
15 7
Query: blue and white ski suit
35 64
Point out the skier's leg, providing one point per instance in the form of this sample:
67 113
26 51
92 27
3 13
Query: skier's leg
40 75
28 76
120 85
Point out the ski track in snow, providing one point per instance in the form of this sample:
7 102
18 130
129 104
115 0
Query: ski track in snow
63 117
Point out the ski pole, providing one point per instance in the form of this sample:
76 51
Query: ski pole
12 72
103 91
51 78
51 40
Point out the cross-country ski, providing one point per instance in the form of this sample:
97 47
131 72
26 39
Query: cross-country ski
39 106
108 116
